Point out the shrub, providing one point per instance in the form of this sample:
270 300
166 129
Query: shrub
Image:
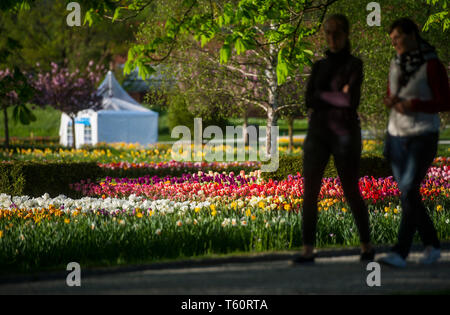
371 165
180 114
36 179
374 165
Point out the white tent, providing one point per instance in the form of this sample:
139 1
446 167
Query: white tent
120 119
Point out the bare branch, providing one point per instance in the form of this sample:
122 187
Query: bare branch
287 106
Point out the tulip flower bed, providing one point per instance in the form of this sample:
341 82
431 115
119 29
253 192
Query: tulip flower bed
133 170
153 218
44 232
230 187
102 153
127 153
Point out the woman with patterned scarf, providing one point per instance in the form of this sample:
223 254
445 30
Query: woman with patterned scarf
417 90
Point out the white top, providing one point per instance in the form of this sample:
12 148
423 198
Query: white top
411 123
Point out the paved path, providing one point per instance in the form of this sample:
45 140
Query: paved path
257 275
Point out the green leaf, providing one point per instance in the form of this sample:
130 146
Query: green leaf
282 66
15 115
240 46
225 53
131 54
23 117
172 26
28 113
116 14
228 15
204 40
220 21
145 70
286 29
88 18
282 72
129 66
25 5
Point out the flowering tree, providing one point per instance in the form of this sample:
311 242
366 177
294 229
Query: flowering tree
238 86
15 91
69 92
260 42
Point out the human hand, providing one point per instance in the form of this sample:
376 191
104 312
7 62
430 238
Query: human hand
390 101
403 107
309 114
346 89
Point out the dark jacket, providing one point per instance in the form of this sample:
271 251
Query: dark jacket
334 109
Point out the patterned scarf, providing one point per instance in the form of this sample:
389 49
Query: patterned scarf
410 62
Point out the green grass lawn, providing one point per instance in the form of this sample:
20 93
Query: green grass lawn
300 125
445 134
48 120
46 124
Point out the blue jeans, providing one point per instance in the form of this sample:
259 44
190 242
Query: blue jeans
410 159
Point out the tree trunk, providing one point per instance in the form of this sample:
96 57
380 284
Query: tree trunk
5 116
273 97
272 121
291 133
73 132
244 128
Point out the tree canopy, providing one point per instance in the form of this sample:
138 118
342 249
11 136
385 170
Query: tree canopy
44 37
283 34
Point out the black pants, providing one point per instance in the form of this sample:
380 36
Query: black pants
410 158
320 143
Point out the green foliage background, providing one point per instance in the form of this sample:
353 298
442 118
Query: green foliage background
373 46
45 37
